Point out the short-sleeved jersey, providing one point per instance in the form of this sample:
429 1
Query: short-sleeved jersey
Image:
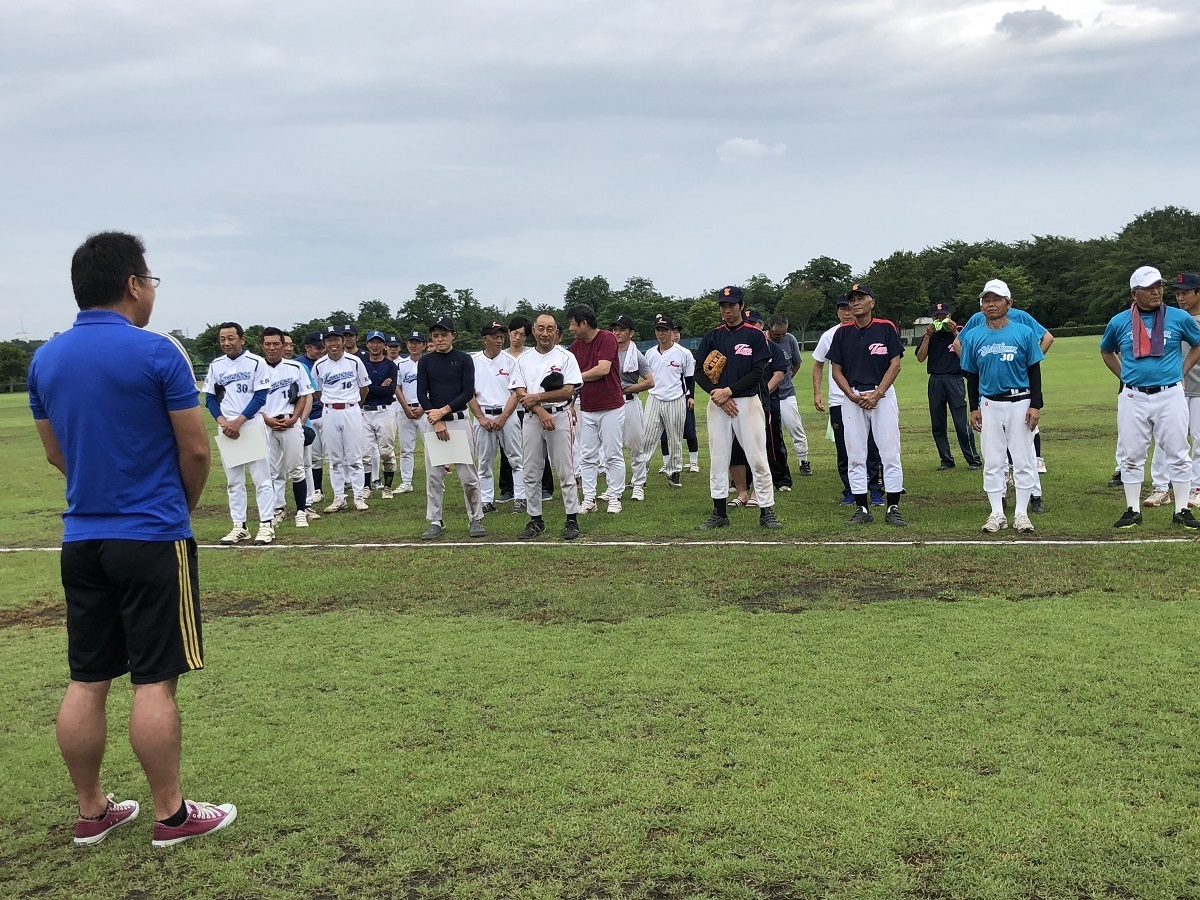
1001 357
865 354
315 412
281 398
604 393
791 353
491 379
238 380
942 360
112 421
533 366
1151 371
744 348
821 355
340 381
669 370
633 366
406 372
979 320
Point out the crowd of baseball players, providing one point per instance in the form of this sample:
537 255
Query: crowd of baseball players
343 420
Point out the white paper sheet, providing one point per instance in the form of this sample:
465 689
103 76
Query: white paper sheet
250 445
447 453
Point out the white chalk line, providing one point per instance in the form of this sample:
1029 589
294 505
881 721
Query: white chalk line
568 545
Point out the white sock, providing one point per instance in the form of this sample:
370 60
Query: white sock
1022 507
1133 495
1181 489
694 458
996 498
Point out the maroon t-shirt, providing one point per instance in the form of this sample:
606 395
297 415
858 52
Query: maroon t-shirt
597 396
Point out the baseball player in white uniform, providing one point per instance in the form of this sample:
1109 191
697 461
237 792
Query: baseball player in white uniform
314 455
1004 391
544 381
494 406
409 415
673 370
287 405
341 386
635 379
1143 347
1187 295
236 387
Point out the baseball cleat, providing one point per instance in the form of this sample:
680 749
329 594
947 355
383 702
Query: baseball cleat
489 508
280 515
93 831
1129 519
847 499
360 503
1115 481
237 535
786 488
673 480
606 497
805 468
434 530
714 521
639 492
692 467
766 519
663 470
547 495
1041 466
1022 524
975 466
376 484
505 497
311 514
1194 498
266 533
944 466
1036 505
477 530
405 488
588 505
532 529
614 506
862 516
995 522
336 506
893 517
518 507
202 819
301 519
317 497
1157 498
387 494
1185 518
876 498
570 531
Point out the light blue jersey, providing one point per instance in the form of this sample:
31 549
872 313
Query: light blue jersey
1151 371
979 320
1001 357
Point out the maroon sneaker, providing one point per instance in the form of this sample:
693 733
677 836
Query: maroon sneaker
89 831
202 819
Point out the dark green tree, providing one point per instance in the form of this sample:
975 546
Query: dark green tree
899 286
594 291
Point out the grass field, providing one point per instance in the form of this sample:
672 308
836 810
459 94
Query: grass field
784 719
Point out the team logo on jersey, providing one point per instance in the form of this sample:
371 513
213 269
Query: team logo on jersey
674 365
410 377
233 377
504 372
998 349
335 377
556 368
282 383
878 349
743 350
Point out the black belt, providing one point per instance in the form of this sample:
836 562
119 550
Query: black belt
1010 397
1152 390
455 415
493 410
555 408
629 397
376 406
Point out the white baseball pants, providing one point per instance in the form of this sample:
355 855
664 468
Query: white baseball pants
409 429
379 437
1160 477
487 443
750 428
665 416
343 437
1006 434
264 491
789 412
1163 418
882 423
285 452
536 445
631 436
600 437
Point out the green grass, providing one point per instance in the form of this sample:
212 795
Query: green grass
1008 721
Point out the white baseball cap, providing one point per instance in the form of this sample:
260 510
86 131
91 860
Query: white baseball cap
997 287
1145 277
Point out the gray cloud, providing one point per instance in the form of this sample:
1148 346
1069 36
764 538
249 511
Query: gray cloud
1034 24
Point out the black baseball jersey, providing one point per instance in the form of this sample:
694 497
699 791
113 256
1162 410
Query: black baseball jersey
747 358
941 359
865 354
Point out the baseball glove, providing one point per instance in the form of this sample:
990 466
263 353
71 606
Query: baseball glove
714 365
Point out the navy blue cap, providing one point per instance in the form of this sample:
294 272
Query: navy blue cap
393 341
842 300
860 289
731 294
416 336
371 335
1187 281
939 309
312 339
333 331
443 322
350 329
755 316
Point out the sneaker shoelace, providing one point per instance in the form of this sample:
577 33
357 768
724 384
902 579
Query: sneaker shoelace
198 809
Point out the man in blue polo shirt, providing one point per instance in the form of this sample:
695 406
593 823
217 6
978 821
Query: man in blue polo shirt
131 441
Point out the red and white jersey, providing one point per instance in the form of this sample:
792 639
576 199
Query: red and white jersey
533 367
340 381
669 369
492 377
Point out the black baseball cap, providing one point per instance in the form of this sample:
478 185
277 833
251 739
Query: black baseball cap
755 316
842 300
416 336
731 294
939 309
622 322
393 341
313 339
350 329
1187 281
443 322
661 321
860 289
491 328
332 331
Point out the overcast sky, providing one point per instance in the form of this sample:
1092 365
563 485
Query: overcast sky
281 159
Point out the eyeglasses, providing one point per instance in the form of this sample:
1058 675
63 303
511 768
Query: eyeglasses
153 279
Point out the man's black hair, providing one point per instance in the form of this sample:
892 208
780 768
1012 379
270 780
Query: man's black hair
235 326
581 312
102 267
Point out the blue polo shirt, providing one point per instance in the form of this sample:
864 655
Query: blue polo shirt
1151 371
1001 357
107 388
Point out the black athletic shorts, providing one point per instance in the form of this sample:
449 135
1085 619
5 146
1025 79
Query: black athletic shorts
737 456
132 606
